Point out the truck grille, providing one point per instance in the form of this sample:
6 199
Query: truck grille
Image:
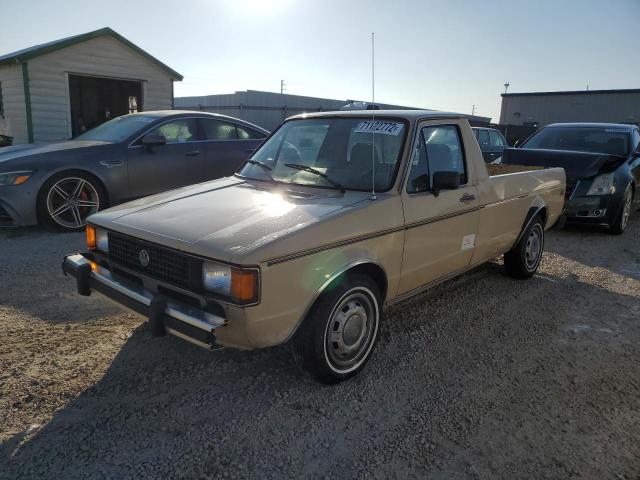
162 263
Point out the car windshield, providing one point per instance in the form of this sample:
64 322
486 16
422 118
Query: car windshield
118 129
612 141
331 153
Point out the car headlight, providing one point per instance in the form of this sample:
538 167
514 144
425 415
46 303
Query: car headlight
238 284
97 239
15 178
602 185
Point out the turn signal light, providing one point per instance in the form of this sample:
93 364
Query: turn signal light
21 179
244 285
91 237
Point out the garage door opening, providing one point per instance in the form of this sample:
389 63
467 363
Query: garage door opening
94 100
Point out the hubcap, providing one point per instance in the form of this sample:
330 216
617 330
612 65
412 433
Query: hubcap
351 331
71 200
626 211
533 247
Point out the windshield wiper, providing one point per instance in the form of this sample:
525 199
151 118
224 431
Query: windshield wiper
264 166
306 168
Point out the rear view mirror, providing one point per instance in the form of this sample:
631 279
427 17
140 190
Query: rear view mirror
151 139
445 181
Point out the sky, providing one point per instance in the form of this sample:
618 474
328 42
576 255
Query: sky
440 54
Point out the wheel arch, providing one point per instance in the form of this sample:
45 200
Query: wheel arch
366 267
537 208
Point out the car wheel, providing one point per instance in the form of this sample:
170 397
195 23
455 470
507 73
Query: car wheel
524 259
338 335
68 198
622 221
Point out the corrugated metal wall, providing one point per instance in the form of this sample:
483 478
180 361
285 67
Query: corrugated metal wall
620 107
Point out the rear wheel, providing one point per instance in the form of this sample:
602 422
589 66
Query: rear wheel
524 259
622 221
68 198
341 329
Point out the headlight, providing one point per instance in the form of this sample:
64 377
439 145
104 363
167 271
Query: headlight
237 284
602 185
14 178
97 239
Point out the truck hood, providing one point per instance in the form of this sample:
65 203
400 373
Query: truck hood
226 218
577 165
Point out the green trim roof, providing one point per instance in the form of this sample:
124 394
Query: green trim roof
37 50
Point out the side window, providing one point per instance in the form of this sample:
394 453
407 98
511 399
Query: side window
1 104
635 139
496 139
178 131
218 130
245 133
439 150
483 138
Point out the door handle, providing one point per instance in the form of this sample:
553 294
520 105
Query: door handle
112 163
192 153
467 198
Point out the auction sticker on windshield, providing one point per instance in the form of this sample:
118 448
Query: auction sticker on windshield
379 126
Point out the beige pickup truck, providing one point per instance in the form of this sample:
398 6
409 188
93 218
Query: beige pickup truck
334 217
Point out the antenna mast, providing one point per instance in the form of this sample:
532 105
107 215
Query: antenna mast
373 115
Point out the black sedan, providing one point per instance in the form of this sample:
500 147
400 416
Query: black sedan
132 156
602 163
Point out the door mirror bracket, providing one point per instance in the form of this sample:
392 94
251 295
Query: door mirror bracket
448 180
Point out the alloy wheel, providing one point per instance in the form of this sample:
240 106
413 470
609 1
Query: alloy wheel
71 200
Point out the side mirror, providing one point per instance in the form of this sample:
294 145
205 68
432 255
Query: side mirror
152 139
445 181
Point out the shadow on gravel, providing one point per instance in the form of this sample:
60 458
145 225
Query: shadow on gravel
457 387
596 247
32 280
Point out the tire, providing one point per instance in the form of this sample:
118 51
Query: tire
624 216
523 260
338 335
68 198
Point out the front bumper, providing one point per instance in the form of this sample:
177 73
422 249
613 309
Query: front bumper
596 210
18 204
164 315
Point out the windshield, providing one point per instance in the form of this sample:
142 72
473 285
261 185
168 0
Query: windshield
331 153
612 141
118 129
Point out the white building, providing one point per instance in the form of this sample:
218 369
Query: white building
57 90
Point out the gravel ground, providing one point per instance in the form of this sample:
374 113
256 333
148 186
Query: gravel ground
484 377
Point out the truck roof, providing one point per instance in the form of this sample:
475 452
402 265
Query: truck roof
411 115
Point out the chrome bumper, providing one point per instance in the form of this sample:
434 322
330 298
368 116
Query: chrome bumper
189 323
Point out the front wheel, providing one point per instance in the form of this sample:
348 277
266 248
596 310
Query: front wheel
622 221
341 329
67 199
523 260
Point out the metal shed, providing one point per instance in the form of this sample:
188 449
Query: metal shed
56 90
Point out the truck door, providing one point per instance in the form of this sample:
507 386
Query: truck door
440 230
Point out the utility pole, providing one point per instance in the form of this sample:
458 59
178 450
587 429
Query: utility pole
283 86
506 126
506 86
473 110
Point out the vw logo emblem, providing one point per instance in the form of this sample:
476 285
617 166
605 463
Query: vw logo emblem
144 258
